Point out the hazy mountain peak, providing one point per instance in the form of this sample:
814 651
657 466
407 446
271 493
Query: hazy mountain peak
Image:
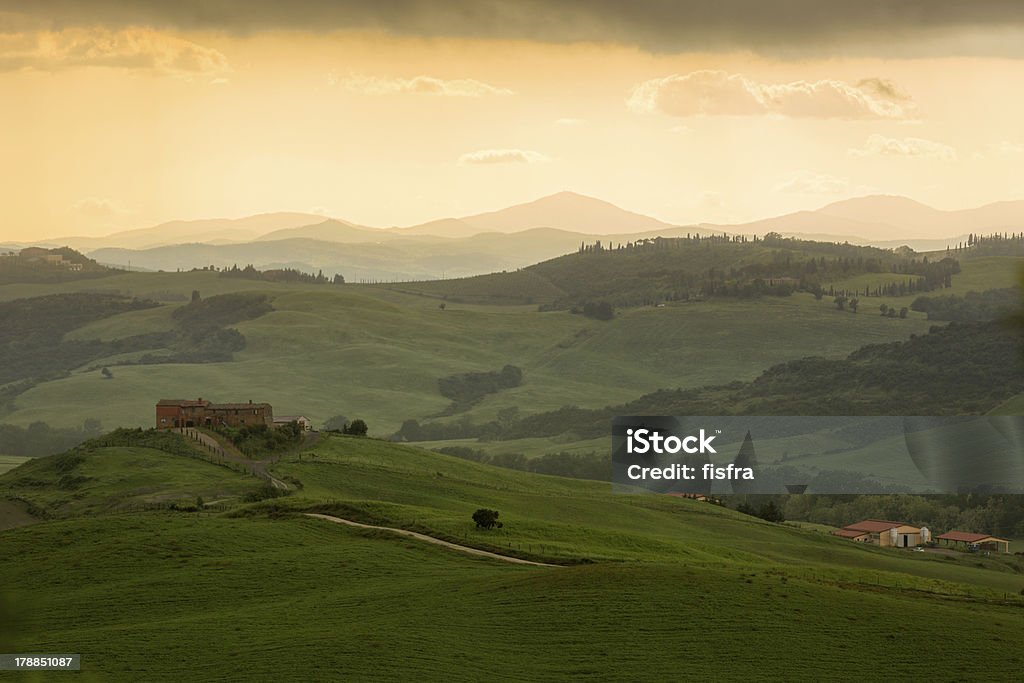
883 208
565 210
330 230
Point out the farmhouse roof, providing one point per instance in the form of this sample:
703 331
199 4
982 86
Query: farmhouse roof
236 406
289 418
848 533
965 536
874 525
181 402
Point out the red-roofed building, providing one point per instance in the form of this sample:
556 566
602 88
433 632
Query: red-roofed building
177 413
885 533
859 536
972 541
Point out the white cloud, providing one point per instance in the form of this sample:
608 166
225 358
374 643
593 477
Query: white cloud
502 156
719 93
129 48
570 122
880 145
423 85
98 207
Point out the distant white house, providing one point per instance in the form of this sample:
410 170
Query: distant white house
301 420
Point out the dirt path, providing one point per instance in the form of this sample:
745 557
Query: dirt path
228 453
431 539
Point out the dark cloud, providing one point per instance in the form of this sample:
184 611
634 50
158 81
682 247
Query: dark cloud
792 26
883 87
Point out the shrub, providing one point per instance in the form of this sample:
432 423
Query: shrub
486 519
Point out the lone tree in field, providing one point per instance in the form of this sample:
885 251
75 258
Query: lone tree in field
356 428
486 519
107 374
884 308
854 303
840 302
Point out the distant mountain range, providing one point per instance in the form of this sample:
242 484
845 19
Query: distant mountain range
510 238
886 220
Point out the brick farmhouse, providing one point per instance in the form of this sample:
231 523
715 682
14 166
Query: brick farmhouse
176 413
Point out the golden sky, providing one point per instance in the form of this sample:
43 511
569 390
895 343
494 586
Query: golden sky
126 123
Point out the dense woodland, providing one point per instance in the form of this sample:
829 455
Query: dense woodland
972 307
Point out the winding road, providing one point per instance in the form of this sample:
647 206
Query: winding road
431 539
259 469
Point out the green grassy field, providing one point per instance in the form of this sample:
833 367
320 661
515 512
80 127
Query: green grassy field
414 488
976 275
675 585
377 354
117 478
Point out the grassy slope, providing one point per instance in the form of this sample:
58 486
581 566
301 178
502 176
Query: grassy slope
976 275
692 588
303 599
568 519
378 354
117 478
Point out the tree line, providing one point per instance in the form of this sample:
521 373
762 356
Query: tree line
287 275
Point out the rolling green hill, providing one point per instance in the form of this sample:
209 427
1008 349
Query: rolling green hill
672 585
376 354
650 271
93 479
